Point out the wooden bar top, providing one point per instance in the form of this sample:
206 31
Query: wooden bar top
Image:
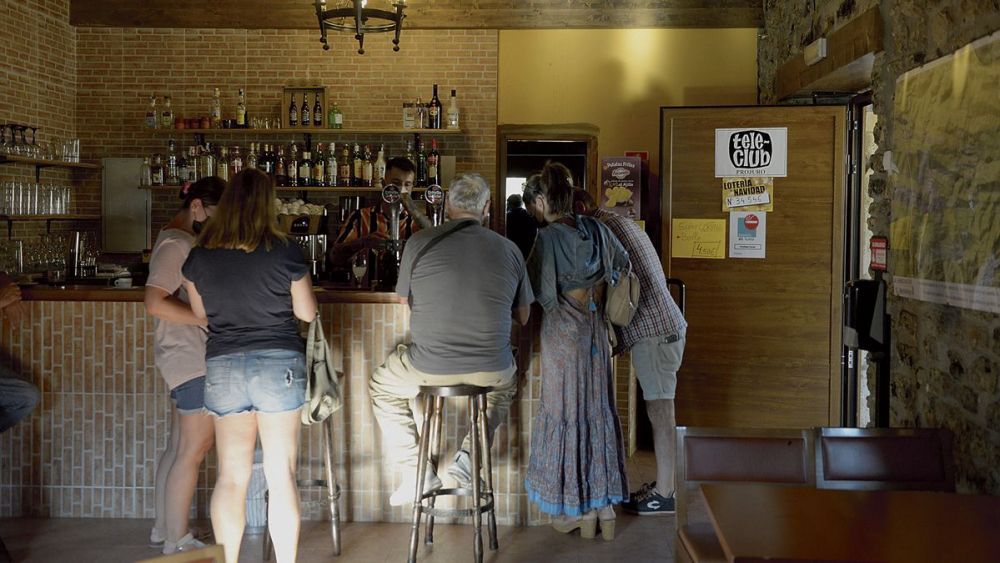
757 523
325 293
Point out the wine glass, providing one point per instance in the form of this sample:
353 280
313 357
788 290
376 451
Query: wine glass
359 267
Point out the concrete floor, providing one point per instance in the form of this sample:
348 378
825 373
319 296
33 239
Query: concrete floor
112 540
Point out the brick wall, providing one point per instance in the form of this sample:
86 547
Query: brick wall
119 68
945 360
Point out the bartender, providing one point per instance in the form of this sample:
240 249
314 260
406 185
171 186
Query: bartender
368 227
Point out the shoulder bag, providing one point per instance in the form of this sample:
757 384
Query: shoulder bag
323 393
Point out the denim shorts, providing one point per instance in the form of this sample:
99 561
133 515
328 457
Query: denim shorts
190 396
656 361
266 381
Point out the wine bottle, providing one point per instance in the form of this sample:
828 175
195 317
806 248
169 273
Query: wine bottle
305 169
453 111
356 165
434 111
433 160
331 165
367 167
344 167
241 110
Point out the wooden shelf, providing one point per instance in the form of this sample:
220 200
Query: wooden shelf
44 163
307 130
284 189
60 217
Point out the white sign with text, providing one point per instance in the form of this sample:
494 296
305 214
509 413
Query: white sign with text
751 152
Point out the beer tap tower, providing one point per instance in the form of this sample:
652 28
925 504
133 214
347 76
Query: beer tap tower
434 196
393 247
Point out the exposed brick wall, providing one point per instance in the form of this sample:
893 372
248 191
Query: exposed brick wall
120 68
945 360
38 86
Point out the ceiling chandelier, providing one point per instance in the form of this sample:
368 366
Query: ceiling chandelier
356 18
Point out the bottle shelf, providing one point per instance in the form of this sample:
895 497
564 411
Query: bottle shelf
287 189
11 219
45 163
307 131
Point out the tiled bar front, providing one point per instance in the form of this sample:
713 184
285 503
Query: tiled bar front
90 448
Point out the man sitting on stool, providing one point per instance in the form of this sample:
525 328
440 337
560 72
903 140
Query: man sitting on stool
462 292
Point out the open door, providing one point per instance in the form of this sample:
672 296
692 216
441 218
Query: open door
764 341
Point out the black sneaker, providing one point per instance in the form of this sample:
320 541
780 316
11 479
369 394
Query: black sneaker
653 504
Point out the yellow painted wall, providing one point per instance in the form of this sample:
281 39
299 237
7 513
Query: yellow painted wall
618 79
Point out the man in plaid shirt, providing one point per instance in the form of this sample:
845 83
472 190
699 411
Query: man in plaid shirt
656 339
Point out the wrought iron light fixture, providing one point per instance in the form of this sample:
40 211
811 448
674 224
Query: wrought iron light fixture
356 18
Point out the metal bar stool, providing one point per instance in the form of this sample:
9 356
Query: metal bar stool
332 492
430 452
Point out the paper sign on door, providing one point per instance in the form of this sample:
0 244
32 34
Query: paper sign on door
747 194
698 238
747 234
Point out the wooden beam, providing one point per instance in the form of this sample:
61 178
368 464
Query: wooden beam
847 66
425 14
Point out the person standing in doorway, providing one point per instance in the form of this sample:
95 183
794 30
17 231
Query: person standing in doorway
521 227
656 338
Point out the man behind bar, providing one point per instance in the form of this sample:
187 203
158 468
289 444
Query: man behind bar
462 282
17 396
656 338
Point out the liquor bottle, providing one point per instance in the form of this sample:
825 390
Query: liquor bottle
318 168
241 110
216 110
434 111
433 168
356 165
151 119
235 162
192 165
171 177
292 165
206 161
222 164
167 116
252 157
378 170
304 112
367 167
453 111
421 179
145 173
317 112
280 167
331 165
336 119
305 169
183 171
420 114
293 112
344 167
156 170
409 153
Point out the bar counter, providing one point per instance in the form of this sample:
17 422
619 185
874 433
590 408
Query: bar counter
90 448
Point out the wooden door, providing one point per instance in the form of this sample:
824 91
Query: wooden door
764 341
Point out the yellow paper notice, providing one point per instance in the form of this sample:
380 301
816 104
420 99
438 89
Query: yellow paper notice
698 238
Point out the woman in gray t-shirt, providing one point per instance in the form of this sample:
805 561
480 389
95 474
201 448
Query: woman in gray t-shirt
179 354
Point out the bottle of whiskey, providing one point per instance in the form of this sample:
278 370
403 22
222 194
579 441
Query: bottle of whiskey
151 118
156 170
305 169
216 112
356 165
344 167
293 112
367 167
304 112
434 111
280 167
317 112
167 116
331 165
378 169
433 161
241 110
235 162
318 168
453 111
222 164
182 168
172 179
292 165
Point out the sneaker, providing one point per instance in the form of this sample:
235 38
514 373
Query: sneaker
642 492
653 504
187 543
404 494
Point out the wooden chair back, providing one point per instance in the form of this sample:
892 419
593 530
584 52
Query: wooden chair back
885 458
209 554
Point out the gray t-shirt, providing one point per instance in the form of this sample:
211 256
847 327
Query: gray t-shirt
461 296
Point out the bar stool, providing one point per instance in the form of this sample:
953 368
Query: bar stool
332 492
430 452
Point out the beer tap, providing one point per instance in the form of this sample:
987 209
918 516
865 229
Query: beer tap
393 247
434 196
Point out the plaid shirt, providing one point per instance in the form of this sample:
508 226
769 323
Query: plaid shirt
658 314
368 220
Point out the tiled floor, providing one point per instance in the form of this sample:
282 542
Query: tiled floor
108 541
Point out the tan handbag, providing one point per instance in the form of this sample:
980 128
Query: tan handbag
323 394
622 299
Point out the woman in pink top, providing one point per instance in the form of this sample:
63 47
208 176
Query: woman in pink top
179 353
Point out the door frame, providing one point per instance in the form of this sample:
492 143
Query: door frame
838 258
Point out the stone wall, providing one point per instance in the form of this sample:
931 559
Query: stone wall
945 360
